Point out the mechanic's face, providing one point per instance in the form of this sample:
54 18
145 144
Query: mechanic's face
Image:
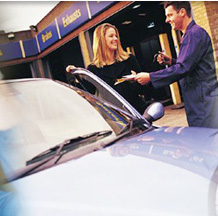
174 18
111 39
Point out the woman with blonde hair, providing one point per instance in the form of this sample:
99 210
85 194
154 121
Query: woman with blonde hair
111 62
107 47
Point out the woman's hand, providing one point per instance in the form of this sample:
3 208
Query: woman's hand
69 68
133 72
143 78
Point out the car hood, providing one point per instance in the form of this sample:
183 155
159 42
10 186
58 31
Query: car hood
167 171
194 149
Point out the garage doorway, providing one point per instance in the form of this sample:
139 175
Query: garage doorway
18 71
68 54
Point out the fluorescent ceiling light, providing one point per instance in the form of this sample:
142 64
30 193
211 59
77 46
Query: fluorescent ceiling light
142 14
151 25
136 6
126 22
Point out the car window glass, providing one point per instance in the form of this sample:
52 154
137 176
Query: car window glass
94 87
43 114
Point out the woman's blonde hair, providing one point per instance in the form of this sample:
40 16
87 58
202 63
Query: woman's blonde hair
100 49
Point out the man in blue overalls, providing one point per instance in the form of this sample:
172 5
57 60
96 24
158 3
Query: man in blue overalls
194 68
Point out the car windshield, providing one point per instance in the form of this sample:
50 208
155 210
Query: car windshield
42 114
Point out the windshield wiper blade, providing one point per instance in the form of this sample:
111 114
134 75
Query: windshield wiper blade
57 149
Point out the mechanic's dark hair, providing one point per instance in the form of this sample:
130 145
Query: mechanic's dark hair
178 5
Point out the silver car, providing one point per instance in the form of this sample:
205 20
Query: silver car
69 152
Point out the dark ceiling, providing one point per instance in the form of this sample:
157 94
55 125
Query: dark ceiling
142 14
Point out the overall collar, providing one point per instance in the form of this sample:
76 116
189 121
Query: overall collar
190 25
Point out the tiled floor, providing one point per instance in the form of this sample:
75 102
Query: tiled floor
173 117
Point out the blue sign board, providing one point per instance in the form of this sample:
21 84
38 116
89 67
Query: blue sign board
30 47
48 36
97 6
69 20
72 18
10 51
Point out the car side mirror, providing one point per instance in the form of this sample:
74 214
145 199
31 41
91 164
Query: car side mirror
154 112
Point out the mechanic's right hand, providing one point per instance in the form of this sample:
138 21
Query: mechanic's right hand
70 67
163 59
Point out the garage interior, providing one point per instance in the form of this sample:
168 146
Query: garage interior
139 25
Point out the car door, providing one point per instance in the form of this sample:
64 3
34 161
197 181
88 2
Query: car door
88 81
